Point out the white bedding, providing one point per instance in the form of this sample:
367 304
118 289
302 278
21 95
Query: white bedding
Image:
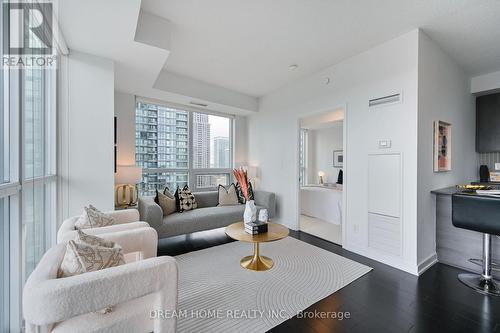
322 202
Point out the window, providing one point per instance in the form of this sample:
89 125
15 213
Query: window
38 174
27 178
303 156
180 147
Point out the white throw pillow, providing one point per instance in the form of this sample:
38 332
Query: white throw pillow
228 196
86 239
93 218
82 258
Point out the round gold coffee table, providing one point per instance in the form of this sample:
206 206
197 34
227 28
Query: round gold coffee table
256 262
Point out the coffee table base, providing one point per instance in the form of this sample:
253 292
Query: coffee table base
256 262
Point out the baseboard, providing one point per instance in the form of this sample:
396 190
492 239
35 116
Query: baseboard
388 260
427 263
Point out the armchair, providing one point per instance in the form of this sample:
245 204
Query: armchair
70 304
134 236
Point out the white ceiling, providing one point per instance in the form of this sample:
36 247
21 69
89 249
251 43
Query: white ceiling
247 46
225 53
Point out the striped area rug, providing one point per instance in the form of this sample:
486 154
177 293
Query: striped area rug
217 295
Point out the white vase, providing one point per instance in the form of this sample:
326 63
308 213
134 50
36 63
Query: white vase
250 214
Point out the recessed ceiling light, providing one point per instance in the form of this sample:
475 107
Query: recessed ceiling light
293 67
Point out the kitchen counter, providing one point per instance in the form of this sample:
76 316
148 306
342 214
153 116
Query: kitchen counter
445 191
455 246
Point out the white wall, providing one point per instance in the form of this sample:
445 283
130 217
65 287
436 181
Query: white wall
240 141
443 94
86 137
273 136
323 142
125 113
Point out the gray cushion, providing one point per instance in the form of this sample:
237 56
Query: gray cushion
201 219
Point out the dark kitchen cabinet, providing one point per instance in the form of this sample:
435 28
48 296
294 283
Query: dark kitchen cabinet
488 123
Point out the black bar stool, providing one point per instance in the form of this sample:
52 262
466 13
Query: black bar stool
481 214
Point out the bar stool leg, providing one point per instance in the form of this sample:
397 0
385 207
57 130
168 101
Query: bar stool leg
484 283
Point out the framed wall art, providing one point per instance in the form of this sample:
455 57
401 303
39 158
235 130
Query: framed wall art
442 146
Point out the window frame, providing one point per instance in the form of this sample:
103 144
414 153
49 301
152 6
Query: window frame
14 183
303 156
190 170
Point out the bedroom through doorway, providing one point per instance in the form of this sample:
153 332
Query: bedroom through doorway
321 175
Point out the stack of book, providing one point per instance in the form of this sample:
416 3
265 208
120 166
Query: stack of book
255 228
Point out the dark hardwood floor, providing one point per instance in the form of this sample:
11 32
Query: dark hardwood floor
384 300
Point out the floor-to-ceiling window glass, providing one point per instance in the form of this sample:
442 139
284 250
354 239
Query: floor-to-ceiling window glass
4 203
27 164
175 146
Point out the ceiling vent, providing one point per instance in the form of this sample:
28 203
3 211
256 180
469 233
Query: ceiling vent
381 101
198 104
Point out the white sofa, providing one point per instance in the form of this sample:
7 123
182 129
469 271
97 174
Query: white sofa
134 236
70 304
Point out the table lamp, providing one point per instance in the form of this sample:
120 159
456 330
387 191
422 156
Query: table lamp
126 179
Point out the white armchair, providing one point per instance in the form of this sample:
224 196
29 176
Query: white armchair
132 235
70 304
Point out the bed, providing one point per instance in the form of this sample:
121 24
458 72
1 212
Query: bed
322 202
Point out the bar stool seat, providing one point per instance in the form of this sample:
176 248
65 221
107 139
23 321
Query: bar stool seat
481 214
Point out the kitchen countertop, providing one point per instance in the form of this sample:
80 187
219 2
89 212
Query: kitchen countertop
445 191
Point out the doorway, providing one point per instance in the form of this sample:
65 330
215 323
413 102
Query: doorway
321 175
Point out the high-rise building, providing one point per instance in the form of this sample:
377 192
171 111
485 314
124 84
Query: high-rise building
201 141
161 142
221 152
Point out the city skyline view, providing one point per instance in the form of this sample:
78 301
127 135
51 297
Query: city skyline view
163 143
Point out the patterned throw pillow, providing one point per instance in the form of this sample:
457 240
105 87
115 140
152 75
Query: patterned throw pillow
228 196
82 258
185 199
83 238
93 218
166 201
241 197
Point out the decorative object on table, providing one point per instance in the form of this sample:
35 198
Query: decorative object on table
126 180
484 174
227 195
340 178
250 214
263 215
241 196
185 199
255 228
338 158
472 188
442 146
321 174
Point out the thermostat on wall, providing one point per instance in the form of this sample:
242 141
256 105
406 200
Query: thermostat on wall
382 144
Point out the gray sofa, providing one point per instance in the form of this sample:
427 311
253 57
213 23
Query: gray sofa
207 216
